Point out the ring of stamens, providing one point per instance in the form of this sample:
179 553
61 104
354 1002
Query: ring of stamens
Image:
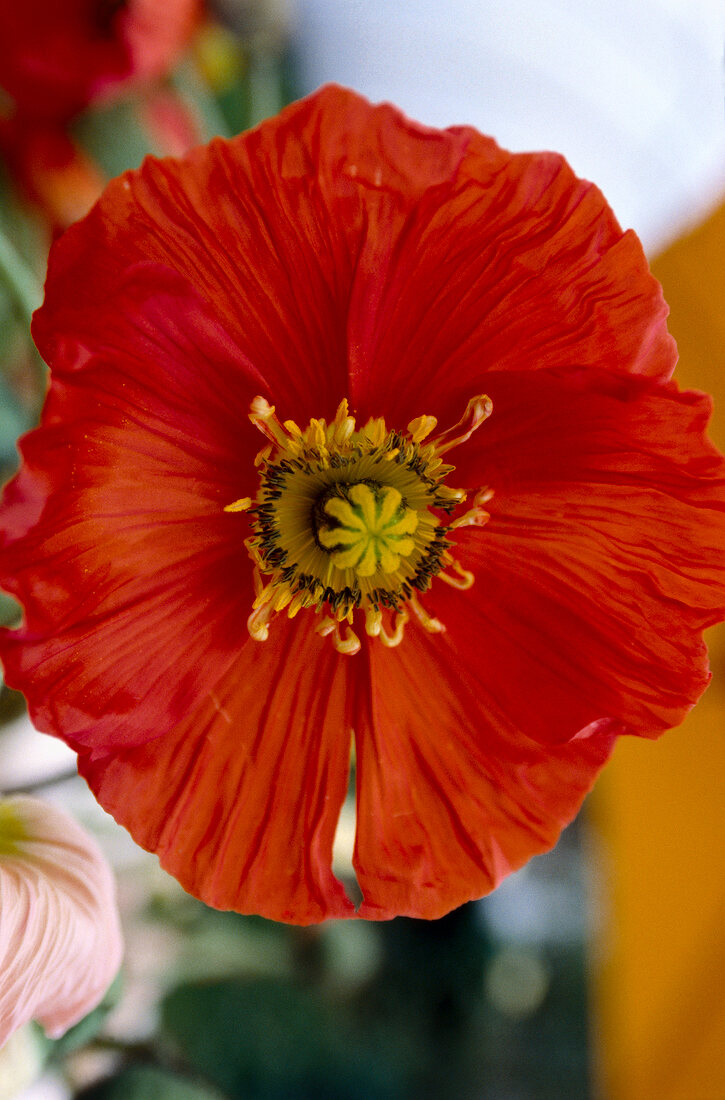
351 519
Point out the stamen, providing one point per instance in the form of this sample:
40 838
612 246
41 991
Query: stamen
343 424
421 427
394 639
299 601
258 622
265 419
375 431
344 612
373 622
262 456
265 596
257 582
347 520
316 436
476 516
433 626
325 627
462 582
349 646
448 498
478 409
254 554
240 505
282 598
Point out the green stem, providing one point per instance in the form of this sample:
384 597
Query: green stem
192 88
40 784
156 1053
265 91
19 279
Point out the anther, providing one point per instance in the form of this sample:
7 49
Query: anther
262 456
297 603
257 582
349 645
345 521
428 622
240 505
478 409
421 427
282 597
375 431
394 639
477 516
264 418
448 498
373 622
325 626
462 582
258 622
343 424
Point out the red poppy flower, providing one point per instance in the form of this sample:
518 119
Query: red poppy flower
219 597
55 58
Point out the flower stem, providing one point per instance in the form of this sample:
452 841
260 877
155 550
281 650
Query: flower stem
154 1052
40 784
17 276
190 85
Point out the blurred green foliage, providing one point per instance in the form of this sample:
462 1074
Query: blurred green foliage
148 1083
419 1025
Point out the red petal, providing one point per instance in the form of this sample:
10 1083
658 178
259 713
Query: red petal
241 800
246 225
451 796
349 250
340 248
601 562
115 538
514 264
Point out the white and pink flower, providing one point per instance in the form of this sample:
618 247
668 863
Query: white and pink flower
60 938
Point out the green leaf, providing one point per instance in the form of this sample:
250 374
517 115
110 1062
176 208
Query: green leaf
148 1083
272 1040
19 278
28 233
113 136
10 610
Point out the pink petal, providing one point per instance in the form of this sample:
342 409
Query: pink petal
60 939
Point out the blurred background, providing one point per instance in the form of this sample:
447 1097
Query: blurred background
598 971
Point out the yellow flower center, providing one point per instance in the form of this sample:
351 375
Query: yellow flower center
12 830
352 519
367 528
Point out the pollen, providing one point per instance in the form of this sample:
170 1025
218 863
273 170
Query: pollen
352 522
